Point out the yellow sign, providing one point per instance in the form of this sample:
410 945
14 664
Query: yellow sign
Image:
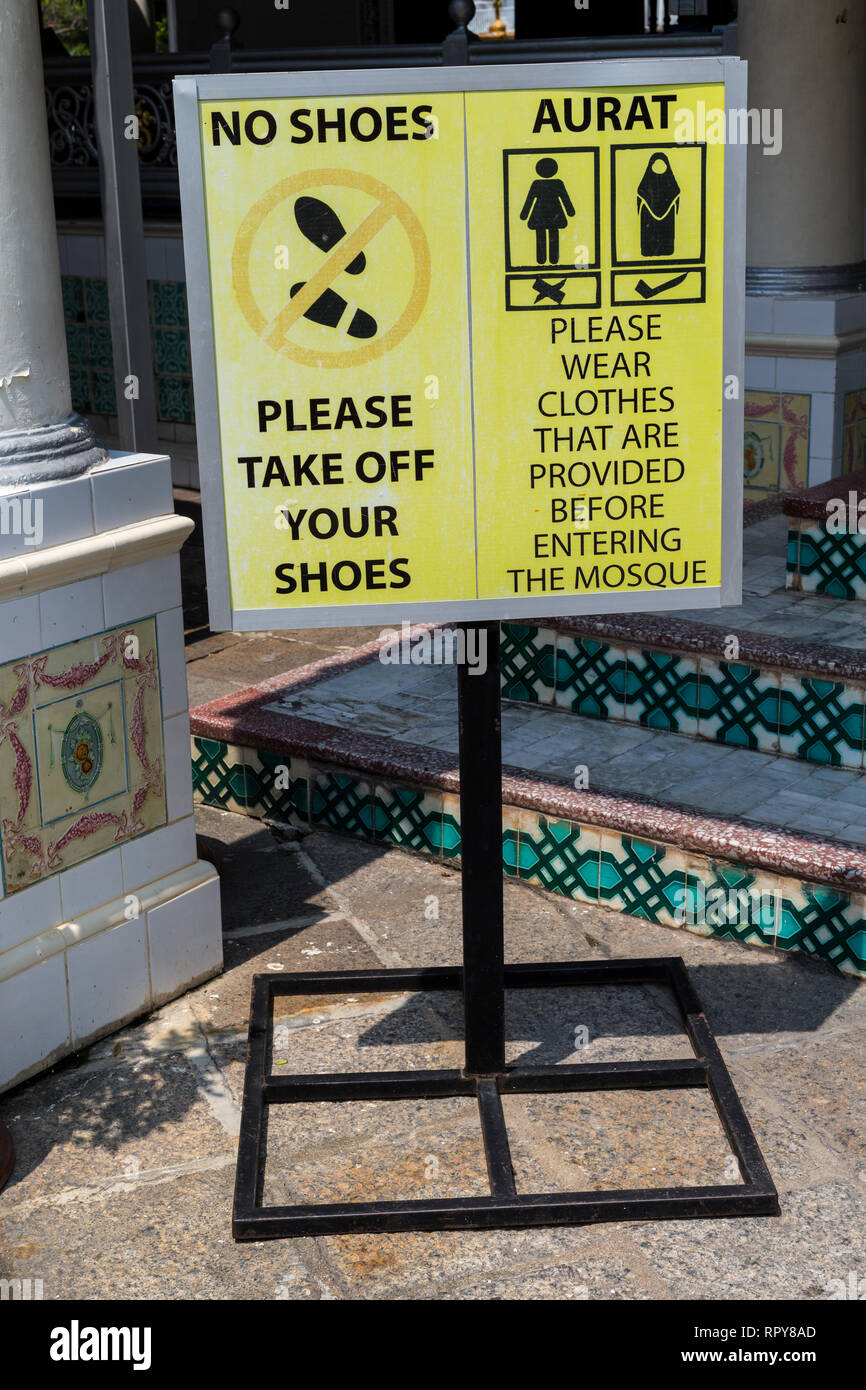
466 350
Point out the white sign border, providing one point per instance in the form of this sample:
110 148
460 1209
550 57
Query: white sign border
189 91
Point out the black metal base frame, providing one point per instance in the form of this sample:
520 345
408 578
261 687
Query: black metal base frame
505 1207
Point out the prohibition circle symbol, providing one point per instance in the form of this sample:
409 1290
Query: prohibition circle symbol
276 331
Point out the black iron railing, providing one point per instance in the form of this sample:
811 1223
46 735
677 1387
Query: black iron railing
69 92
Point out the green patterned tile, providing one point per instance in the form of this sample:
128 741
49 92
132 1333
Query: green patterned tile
76 344
739 704
96 301
560 855
342 801
826 923
409 817
731 902
100 356
219 776
526 656
451 839
174 399
103 393
832 564
590 677
72 290
278 783
661 691
168 303
821 721
641 878
171 351
79 381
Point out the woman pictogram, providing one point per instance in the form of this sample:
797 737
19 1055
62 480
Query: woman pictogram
658 202
548 208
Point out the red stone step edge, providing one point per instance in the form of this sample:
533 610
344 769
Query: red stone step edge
241 719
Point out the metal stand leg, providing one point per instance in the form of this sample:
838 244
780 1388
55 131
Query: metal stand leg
483 979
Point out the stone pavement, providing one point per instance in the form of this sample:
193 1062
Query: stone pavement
126 1153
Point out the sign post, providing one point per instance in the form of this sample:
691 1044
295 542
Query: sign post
468 345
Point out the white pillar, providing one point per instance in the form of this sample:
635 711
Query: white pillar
39 435
805 205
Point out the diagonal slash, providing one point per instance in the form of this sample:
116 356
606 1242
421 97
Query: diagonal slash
340 257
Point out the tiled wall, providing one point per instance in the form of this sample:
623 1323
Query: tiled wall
88 339
653 881
775 442
700 695
822 562
854 432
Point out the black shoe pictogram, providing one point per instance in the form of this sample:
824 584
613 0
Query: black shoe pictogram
329 309
321 225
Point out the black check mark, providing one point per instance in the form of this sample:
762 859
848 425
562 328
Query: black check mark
649 292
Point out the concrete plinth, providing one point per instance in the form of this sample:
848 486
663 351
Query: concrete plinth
105 910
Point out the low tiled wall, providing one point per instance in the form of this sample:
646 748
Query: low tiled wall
778 697
824 562
651 862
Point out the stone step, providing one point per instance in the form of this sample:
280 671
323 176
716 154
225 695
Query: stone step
826 551
368 749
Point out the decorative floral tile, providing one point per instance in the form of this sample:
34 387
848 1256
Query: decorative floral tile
408 817
661 691
174 398
854 432
590 677
526 657
102 393
739 705
81 751
821 721
776 441
641 878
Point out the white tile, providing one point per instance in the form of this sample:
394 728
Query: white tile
806 374
174 266
141 590
108 978
185 936
35 1017
759 314
820 471
850 313
19 627
178 768
161 852
133 492
154 257
760 373
73 610
821 421
172 662
91 884
85 255
66 511
808 318
30 911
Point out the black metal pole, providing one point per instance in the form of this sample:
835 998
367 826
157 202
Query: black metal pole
481 851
